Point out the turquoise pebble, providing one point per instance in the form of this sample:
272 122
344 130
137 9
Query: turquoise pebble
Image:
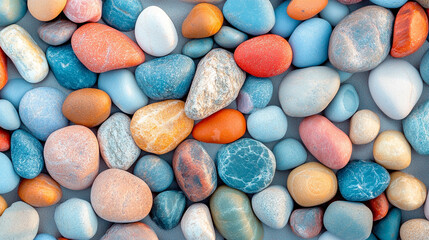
424 68
334 12
284 25
11 11
344 104
256 93
267 124
415 127
309 42
15 90
289 154
120 14
344 76
155 172
198 47
27 154
168 208
229 37
122 88
44 236
389 3
9 178
371 237
68 70
388 227
9 119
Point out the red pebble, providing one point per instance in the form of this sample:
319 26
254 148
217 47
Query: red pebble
379 207
4 140
264 56
3 69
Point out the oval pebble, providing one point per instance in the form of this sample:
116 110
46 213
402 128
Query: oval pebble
289 154
415 229
267 124
121 15
198 47
414 127
19 221
307 222
364 127
334 12
392 151
344 104
80 11
41 191
284 25
168 208
10 179
45 10
389 3
27 154
11 11
204 20
229 37
14 90
4 140
379 207
388 227
57 32
255 94
129 231
197 224
405 191
10 118
155 172
424 68
305 9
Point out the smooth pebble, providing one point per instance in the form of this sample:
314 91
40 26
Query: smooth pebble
14 90
19 221
364 127
405 191
198 47
284 25
10 179
57 32
168 208
10 118
392 151
344 104
155 172
289 154
255 94
197 224
267 124
334 12
415 229
121 15
229 37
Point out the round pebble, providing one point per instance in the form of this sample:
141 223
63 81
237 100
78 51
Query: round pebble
80 11
168 208
405 191
27 154
45 10
334 12
19 221
415 229
11 11
57 32
379 207
255 94
289 154
197 48
10 179
14 90
392 151
344 104
364 127
284 25
44 236
306 223
41 191
10 119
197 224
155 172
329 236
424 68
267 124
121 15
203 21
129 231
229 37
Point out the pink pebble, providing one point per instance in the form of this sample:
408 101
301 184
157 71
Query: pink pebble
80 11
138 231
307 222
57 32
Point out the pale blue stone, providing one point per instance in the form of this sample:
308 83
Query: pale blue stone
289 154
27 154
229 37
415 128
284 25
255 94
424 68
334 12
44 236
155 172
11 11
388 227
389 3
15 90
267 124
9 178
344 76
9 118
168 208
344 104
198 47
121 14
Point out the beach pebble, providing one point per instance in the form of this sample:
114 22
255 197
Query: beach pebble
44 236
289 154
121 15
388 227
102 48
197 224
246 164
40 114
305 9
306 222
329 236
414 127
3 69
45 10
168 208
10 118
415 229
10 179
41 191
344 104
392 151
27 154
11 11
167 77
198 47
364 127
284 25
4 140
424 3
325 141
68 148
255 94
379 207
334 12
203 21
312 184
57 32
14 90
155 172
19 221
76 219
3 205
229 37
118 196
424 68
117 146
273 206
137 230
233 216
389 3
267 124
349 2
216 84
405 191
80 11
344 76
426 208
160 127
155 32
352 52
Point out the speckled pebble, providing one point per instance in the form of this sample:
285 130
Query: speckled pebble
197 224
255 94
155 172
289 154
414 128
27 154
128 231
19 221
229 37
307 222
168 208
121 15
415 229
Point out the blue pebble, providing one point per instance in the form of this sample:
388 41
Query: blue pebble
309 43
267 124
372 237
40 114
424 68
344 76
68 70
415 127
15 90
168 208
389 3
284 25
198 47
27 154
168 77
44 236
289 154
362 180
9 119
155 172
122 88
256 93
334 12
11 11
255 17
388 227
344 104
121 14
229 37
8 176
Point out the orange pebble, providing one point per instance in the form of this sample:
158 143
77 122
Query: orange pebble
46 10
305 9
224 126
410 30
4 140
3 205
41 191
61 238
3 69
204 20
379 207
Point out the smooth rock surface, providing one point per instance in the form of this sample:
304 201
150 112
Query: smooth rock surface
284 25
289 154
27 154
392 151
45 10
168 208
41 191
229 37
389 3
388 228
364 127
334 12
204 20
10 118
267 124
198 47
305 9
255 94
344 104
10 179
405 191
424 68
414 128
155 172
307 222
197 224
57 32
379 207
19 221
14 90
122 15
12 11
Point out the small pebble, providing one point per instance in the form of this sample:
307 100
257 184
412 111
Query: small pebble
198 47
255 94
344 104
155 172
122 15
203 21
389 3
80 11
45 10
197 224
364 127
379 207
10 118
41 191
414 127
11 11
19 221
305 9
334 12
27 154
405 191
3 69
415 229
168 208
424 68
14 90
229 37
3 205
306 222
284 25
4 140
267 124
44 236
388 227
329 236
426 208
57 32
10 179
392 151
130 231
289 154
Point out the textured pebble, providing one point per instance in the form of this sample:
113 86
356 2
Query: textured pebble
155 172
364 127
267 124
168 208
4 140
424 68
289 154
284 25
256 93
121 15
10 179
57 32
45 10
344 104
388 227
137 230
197 224
80 11
10 118
414 128
415 229
27 154
41 191
229 37
405 191
392 151
379 207
19 221
11 11
198 47
204 20
14 90
307 222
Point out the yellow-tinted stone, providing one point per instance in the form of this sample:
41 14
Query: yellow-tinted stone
405 191
415 229
3 205
392 151
364 127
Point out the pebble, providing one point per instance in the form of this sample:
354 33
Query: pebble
44 236
344 76
312 184
11 11
414 127
233 216
325 141
88 107
379 207
289 154
273 206
10 118
424 68
392 151
27 154
306 222
362 180
229 37
10 179
284 25
42 115
80 11
45 10
122 15
102 48
308 91
203 21
207 1
3 69
4 140
405 191
216 84
246 164
41 191
334 12
168 208
68 70
57 32
120 197
122 88
197 224
389 3
415 229
395 86
351 52
198 47
424 3
155 32
329 236
255 94
225 126
80 147
305 9
344 104
426 208
14 90
19 221
388 228
264 56
24 52
159 127
3 205
155 172
129 231
309 42
117 146
76 219
167 77
364 127
267 124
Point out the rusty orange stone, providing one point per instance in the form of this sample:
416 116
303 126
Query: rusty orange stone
305 9
379 207
204 20
41 191
410 30
3 69
4 140
3 205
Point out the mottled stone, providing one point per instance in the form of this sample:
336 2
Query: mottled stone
56 32
80 11
136 231
388 228
121 15
392 151
379 207
364 127
307 222
10 179
415 127
415 229
255 94
11 11
405 191
155 172
27 154
197 223
168 208
19 221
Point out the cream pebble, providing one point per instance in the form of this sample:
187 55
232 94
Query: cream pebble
364 127
415 229
197 223
405 191
392 151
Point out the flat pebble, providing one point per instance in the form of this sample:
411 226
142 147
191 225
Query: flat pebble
14 90
12 11
10 179
121 15
405 191
392 151
255 94
334 12
80 11
284 25
27 154
379 207
129 231
414 127
415 229
388 227
364 127
344 104
168 208
10 118
307 222
267 124
19 221
197 224
57 32
41 191
204 20
389 3
305 9
45 10
229 37
289 154
198 47
155 172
